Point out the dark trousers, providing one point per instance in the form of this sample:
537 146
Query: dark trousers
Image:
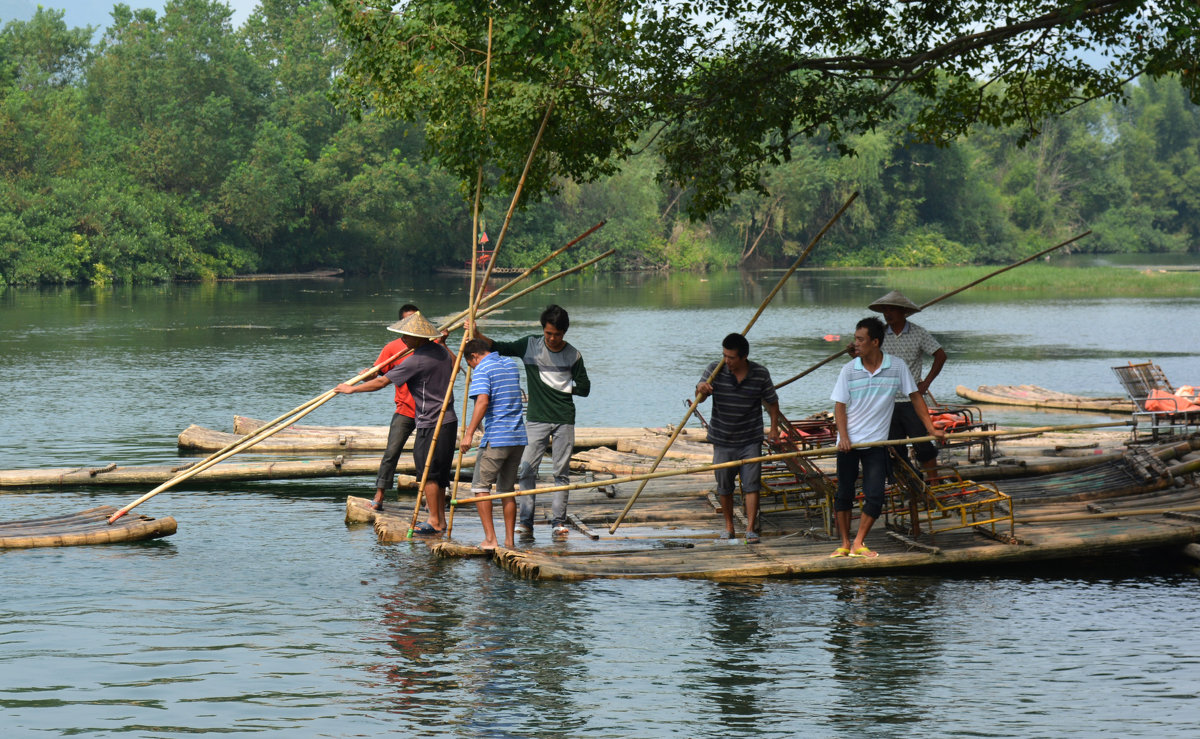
874 464
398 432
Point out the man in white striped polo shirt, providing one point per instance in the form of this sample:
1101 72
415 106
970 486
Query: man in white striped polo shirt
910 342
863 403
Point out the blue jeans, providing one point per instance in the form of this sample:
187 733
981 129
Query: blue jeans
874 463
539 435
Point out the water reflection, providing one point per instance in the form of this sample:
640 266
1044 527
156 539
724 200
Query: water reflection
733 680
884 643
476 649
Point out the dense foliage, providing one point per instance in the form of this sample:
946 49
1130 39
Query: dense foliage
175 146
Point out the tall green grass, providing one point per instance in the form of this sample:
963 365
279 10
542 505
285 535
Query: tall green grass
1052 280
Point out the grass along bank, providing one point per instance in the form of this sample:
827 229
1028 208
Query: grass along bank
1053 280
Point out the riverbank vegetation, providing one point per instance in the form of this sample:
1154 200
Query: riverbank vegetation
1054 281
173 146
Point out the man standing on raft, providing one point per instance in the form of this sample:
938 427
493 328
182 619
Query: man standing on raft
910 342
427 373
496 388
555 374
739 391
863 405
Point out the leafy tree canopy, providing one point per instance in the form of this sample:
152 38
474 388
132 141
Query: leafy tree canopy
722 89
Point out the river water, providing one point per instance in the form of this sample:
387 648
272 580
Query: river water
266 614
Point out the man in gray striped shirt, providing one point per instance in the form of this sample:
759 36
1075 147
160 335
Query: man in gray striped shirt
739 392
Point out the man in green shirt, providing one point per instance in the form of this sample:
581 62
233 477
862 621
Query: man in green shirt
555 374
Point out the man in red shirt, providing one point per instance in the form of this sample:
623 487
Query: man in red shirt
403 420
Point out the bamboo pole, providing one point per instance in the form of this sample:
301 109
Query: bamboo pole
472 298
512 206
721 363
819 452
989 276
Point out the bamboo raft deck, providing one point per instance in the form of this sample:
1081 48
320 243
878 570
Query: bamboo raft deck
674 529
1032 396
86 527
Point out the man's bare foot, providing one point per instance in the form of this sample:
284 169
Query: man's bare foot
509 544
489 546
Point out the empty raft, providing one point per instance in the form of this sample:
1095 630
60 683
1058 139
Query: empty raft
1032 396
86 527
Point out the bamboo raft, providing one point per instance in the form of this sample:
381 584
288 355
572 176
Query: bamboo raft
233 472
1140 500
86 527
673 533
1032 396
1065 531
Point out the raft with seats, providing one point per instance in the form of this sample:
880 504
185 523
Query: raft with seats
1144 499
86 527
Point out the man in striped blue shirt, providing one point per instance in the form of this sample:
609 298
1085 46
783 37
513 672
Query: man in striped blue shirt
864 398
496 388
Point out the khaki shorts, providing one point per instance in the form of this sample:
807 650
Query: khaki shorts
496 465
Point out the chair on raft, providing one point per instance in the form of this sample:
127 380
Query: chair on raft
1161 411
946 503
953 417
796 483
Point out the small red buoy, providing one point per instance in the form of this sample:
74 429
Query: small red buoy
832 337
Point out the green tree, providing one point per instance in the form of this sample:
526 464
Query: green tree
728 88
180 91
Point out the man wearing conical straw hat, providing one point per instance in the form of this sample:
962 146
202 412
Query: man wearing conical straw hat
911 343
427 374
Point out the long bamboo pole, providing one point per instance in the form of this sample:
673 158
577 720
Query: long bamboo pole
512 206
304 409
939 299
819 452
721 363
472 298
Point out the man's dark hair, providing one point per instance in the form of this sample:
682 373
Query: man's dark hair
408 308
738 343
874 328
476 346
556 316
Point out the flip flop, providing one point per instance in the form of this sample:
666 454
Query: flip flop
840 552
425 529
377 506
751 537
863 552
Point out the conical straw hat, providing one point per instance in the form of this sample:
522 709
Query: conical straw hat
896 299
415 325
